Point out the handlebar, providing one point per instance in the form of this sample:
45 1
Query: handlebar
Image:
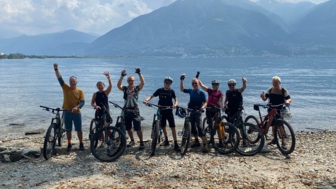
269 105
159 107
116 105
189 109
51 109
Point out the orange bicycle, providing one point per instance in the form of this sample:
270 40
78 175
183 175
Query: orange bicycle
283 133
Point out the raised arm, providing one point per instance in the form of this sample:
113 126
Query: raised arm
109 88
119 84
181 82
142 80
205 88
244 80
58 75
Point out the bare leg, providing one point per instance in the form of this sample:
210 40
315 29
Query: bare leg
174 133
139 135
165 132
130 134
80 136
69 137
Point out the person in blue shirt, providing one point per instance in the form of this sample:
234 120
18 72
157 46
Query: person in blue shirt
197 102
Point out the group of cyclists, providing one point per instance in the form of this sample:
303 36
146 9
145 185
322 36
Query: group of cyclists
230 103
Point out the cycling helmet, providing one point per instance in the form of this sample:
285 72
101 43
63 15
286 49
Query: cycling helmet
181 112
168 79
232 81
216 82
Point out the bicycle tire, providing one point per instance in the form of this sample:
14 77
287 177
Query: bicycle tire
206 128
246 148
186 132
121 126
230 141
93 129
252 119
155 136
284 136
49 141
113 145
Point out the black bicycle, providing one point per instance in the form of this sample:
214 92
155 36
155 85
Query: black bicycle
120 124
157 131
227 139
113 141
98 123
249 145
186 129
55 132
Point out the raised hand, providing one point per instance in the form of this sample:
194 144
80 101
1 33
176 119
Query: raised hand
123 73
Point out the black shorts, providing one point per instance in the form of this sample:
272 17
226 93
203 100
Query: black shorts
167 115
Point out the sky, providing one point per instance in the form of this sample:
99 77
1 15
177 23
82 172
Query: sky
34 17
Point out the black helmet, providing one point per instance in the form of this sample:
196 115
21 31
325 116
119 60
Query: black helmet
215 82
181 112
168 79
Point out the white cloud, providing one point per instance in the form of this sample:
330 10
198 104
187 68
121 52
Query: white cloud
34 17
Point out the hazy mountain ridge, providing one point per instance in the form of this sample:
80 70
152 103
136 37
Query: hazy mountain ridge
69 42
198 28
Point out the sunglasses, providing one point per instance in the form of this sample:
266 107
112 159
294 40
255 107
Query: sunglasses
194 83
130 80
231 85
215 84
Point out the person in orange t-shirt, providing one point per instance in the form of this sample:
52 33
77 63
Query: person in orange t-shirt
73 101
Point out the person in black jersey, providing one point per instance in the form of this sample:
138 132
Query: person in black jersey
100 98
166 96
276 95
234 97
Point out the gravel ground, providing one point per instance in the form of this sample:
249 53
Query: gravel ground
311 165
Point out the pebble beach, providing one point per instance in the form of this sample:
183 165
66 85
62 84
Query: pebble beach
311 165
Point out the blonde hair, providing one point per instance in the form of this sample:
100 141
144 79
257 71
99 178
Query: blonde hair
276 78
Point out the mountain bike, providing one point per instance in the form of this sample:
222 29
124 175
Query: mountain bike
186 129
283 135
120 119
55 132
249 145
113 141
228 136
157 130
97 123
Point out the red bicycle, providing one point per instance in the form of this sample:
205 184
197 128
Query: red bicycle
283 133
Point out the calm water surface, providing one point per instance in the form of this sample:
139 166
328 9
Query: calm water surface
26 84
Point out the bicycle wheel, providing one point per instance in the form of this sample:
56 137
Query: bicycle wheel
228 138
49 141
61 134
247 148
113 144
155 136
93 129
284 136
251 119
186 132
122 127
206 128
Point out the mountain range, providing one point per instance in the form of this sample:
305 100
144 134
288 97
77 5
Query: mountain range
199 28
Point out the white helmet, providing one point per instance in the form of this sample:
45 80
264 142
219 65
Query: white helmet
168 79
232 81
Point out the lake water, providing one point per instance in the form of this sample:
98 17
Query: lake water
27 84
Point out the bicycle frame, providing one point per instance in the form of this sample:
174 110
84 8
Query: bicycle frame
264 119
